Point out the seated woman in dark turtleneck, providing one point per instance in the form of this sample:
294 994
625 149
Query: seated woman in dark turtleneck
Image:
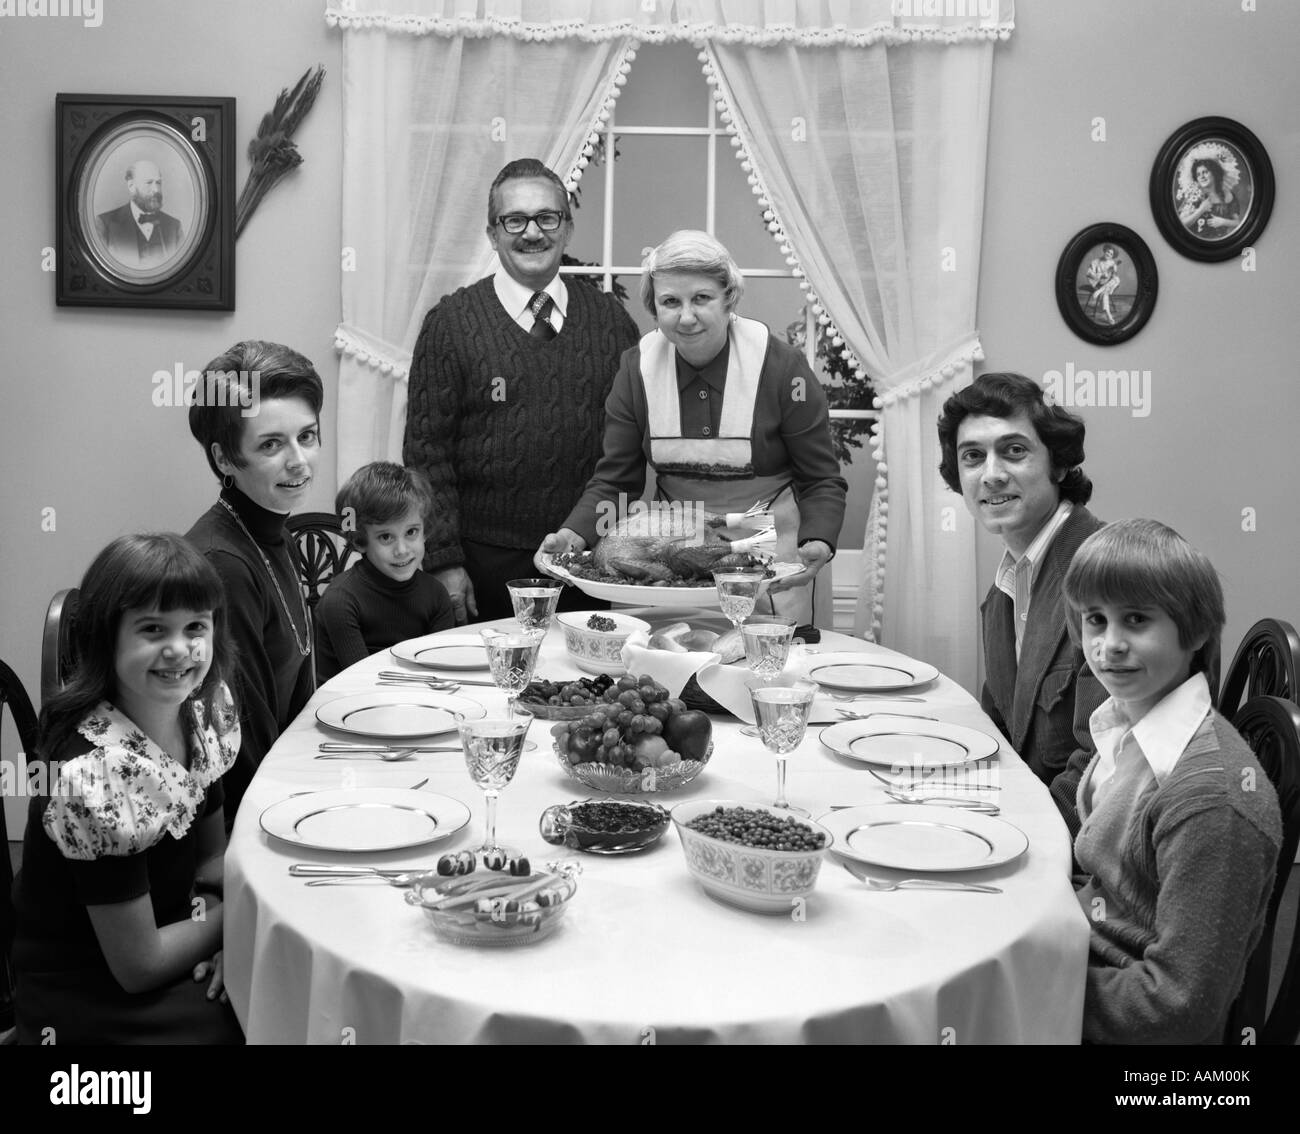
257 417
384 598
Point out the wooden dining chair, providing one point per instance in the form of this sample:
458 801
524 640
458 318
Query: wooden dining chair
57 653
1266 664
1271 726
322 551
13 694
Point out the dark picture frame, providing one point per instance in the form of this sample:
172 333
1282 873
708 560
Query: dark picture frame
1106 284
1212 189
124 159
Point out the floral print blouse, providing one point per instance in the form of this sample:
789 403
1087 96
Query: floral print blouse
124 795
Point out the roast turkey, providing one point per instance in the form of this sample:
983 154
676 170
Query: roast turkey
671 541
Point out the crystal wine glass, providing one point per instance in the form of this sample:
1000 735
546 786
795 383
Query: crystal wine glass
738 591
534 601
767 648
492 747
512 657
782 712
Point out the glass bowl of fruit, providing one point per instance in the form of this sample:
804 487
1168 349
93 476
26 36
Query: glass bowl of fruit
604 826
751 855
595 639
635 739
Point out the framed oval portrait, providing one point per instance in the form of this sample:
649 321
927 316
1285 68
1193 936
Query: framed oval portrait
1106 284
146 215
1212 189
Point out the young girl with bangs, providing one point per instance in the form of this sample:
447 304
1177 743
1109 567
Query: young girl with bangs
118 901
1180 828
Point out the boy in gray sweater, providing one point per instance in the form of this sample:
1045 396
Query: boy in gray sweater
1180 826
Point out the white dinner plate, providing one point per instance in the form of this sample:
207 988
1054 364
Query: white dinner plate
908 742
399 714
364 819
912 836
436 651
639 594
858 673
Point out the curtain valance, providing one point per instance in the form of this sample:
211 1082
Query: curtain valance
762 23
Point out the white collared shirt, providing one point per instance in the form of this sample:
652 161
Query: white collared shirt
1159 737
515 298
1015 577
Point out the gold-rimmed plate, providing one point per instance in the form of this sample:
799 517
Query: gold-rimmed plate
441 651
859 673
908 836
399 714
364 820
908 743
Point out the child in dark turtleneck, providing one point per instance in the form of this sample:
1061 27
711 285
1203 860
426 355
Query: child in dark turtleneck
384 598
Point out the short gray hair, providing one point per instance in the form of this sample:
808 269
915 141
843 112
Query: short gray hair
690 252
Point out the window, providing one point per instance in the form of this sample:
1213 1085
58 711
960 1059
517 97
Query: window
674 167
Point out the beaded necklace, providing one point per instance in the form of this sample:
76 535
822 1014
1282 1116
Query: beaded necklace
297 641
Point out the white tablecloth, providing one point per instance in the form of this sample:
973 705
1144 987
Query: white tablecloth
643 954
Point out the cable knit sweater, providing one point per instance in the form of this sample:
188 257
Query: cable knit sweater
506 427
1180 880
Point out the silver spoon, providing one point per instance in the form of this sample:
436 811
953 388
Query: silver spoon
915 883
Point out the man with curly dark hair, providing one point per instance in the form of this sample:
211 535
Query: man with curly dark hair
1017 461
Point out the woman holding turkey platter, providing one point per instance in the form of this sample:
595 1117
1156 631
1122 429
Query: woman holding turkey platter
726 414
259 425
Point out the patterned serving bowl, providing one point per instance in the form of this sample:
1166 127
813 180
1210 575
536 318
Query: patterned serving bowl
598 651
753 878
508 911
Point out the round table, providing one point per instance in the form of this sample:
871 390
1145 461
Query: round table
643 954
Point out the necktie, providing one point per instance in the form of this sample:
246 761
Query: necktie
540 305
150 218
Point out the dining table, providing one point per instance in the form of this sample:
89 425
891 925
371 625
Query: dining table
643 954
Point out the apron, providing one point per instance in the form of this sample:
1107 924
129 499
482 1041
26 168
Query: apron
719 472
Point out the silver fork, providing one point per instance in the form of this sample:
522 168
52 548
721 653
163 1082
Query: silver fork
879 884
955 801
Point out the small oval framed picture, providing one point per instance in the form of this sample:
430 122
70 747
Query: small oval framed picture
1212 189
1106 284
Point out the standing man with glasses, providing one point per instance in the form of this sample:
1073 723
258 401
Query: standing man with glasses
508 383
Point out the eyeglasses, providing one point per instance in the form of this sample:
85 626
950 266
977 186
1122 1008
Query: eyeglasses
515 223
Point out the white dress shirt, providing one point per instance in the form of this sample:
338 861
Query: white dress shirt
515 298
1016 577
1159 738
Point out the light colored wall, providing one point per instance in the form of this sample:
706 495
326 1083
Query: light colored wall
1221 345
78 431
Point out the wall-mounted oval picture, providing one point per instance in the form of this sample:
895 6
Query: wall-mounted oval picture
1106 284
143 199
1212 189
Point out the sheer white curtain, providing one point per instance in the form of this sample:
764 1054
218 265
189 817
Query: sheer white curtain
870 162
428 122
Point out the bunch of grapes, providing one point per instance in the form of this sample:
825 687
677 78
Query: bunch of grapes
625 727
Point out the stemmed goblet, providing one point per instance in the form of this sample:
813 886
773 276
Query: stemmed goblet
767 648
534 601
738 591
492 747
512 657
782 712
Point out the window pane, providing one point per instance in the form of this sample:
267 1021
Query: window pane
664 88
661 184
